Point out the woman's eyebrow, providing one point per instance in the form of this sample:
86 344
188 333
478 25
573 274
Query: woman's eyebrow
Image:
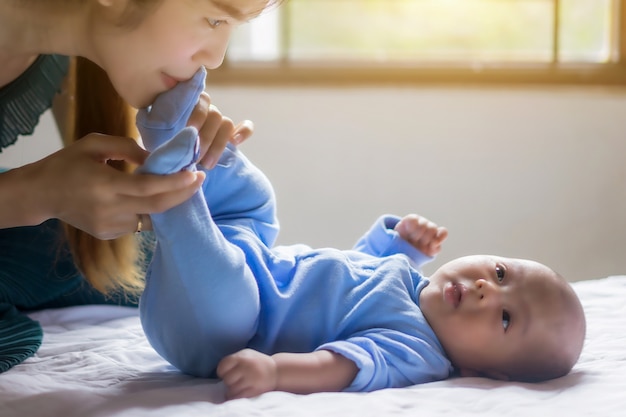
229 9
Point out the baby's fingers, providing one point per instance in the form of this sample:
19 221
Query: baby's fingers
433 247
235 381
407 226
442 234
226 366
420 230
240 390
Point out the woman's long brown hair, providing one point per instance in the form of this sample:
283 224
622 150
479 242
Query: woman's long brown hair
111 266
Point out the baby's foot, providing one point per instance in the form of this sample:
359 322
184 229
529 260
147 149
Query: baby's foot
178 154
170 112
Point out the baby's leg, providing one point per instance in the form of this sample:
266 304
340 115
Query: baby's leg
201 300
240 195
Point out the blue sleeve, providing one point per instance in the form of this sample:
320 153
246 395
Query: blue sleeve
381 240
390 359
240 195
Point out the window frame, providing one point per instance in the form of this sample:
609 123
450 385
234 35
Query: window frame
284 72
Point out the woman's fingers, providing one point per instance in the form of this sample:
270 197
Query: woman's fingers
77 186
216 130
242 132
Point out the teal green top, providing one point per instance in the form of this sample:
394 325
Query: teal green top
21 104
36 268
24 100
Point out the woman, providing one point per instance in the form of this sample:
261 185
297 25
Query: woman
129 51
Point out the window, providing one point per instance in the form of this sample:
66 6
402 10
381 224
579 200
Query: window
374 41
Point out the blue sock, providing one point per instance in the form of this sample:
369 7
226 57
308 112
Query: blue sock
170 112
177 154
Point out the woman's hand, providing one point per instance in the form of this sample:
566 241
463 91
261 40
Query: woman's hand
421 233
187 104
215 130
77 186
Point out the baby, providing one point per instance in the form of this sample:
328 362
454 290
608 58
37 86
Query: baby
222 300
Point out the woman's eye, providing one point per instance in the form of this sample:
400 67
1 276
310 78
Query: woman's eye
506 320
500 272
215 22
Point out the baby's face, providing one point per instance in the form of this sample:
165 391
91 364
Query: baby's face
488 311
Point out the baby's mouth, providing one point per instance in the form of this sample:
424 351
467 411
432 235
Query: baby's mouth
453 293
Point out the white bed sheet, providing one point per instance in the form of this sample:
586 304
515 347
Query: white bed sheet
95 361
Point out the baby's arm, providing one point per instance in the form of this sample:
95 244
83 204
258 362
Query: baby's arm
422 233
391 235
249 373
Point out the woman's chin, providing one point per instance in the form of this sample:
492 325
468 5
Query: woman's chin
140 102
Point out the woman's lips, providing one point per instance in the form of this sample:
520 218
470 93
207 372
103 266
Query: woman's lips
453 293
170 82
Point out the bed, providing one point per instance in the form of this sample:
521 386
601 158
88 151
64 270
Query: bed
95 361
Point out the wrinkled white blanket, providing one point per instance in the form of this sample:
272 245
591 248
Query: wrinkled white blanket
95 361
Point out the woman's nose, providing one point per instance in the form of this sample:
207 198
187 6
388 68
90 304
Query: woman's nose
212 53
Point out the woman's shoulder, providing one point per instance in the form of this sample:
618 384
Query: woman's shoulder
24 100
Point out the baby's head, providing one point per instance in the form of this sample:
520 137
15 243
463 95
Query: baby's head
503 318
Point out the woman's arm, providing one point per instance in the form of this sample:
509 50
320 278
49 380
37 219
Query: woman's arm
17 203
76 185
249 373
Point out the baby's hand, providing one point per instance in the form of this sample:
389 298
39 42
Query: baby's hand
247 373
423 234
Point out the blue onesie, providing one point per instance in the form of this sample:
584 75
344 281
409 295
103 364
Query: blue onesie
216 283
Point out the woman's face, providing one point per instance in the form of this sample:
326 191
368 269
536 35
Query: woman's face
168 45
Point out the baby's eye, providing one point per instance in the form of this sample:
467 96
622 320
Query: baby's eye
506 319
215 22
500 272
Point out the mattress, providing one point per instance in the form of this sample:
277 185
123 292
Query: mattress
95 361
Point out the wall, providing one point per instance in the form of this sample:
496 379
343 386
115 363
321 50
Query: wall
44 141
526 173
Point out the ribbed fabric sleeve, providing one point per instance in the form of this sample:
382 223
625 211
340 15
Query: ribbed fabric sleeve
20 337
24 100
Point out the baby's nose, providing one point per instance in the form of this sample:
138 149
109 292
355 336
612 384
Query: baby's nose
488 292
